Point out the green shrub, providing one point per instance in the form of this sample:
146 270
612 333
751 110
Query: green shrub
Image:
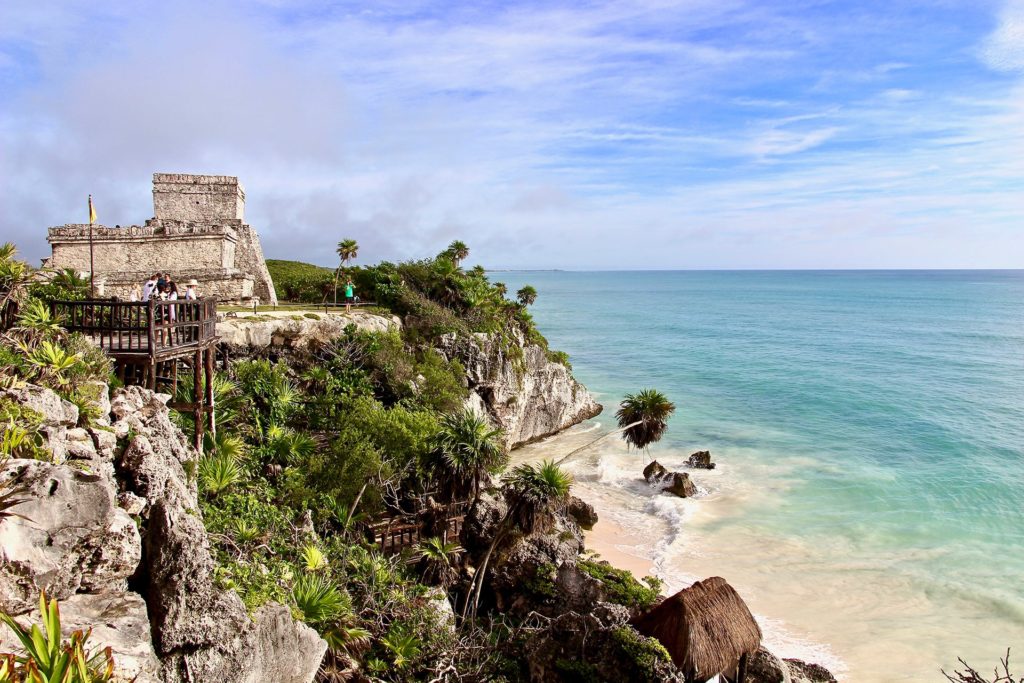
21 436
319 600
218 473
622 586
646 653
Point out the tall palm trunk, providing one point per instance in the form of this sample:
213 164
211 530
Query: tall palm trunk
600 438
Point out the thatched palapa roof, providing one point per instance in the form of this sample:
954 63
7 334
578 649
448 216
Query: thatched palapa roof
706 628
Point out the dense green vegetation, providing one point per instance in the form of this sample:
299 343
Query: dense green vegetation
308 454
297 281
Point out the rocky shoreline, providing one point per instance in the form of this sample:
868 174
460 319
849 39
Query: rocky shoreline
111 527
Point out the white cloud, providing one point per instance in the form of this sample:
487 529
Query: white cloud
1004 49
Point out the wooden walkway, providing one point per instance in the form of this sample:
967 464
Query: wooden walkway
395 534
148 340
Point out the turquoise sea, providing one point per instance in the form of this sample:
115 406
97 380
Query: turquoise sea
869 430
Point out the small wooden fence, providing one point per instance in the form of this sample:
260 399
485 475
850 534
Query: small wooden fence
395 534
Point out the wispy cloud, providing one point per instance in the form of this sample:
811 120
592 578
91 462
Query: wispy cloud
645 133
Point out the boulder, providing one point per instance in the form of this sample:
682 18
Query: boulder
596 647
286 332
655 473
583 512
680 484
701 460
764 667
524 393
56 411
804 672
76 538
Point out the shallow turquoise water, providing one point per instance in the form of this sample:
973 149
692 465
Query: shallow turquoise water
881 414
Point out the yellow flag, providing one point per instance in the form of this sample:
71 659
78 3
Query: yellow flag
92 211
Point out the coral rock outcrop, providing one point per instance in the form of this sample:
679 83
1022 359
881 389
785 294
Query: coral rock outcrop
524 393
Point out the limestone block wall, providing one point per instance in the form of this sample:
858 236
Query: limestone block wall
200 198
249 259
144 248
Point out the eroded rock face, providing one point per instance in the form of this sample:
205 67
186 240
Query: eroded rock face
764 667
598 646
76 538
583 512
528 397
253 335
803 672
200 633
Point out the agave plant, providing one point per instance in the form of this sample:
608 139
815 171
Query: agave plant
35 322
404 645
218 473
10 490
350 639
313 558
246 532
51 361
319 600
48 658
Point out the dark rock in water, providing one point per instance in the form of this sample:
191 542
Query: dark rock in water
583 512
655 473
681 485
804 672
764 667
702 460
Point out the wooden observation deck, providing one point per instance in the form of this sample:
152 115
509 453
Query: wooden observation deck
148 340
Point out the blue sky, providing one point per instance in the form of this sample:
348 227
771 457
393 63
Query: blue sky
695 134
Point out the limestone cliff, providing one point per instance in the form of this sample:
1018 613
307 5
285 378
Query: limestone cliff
111 528
525 394
248 334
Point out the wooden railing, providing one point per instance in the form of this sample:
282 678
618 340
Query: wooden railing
143 327
395 534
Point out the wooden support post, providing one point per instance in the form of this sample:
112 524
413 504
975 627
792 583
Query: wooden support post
197 397
211 422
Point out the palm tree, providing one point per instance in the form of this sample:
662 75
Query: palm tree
347 250
465 451
533 493
501 288
643 417
438 561
526 295
457 251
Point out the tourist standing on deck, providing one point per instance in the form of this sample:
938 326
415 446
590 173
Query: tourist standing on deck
150 287
190 290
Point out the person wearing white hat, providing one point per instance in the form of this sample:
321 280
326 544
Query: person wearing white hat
190 290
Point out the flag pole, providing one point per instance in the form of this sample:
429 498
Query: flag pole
92 268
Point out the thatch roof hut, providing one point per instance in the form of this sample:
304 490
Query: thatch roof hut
706 628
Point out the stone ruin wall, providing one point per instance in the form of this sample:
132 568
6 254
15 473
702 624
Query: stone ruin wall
198 231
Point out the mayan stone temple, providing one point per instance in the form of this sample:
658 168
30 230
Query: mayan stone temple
198 230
